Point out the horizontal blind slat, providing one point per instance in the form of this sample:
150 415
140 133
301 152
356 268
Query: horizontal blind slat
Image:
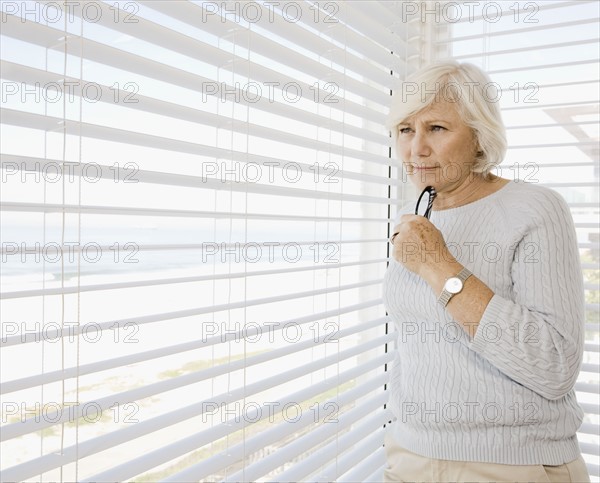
546 106
151 32
51 38
345 461
543 66
146 319
49 123
587 387
15 163
306 442
360 430
359 42
84 129
133 468
82 370
590 408
528 48
14 430
191 14
45 292
523 9
87 448
17 206
544 26
370 469
107 95
376 461
37 249
589 428
239 451
371 28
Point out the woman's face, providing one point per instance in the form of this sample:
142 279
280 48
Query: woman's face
436 147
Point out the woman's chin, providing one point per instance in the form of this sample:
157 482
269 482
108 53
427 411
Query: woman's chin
422 180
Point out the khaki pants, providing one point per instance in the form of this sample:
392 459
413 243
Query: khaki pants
404 466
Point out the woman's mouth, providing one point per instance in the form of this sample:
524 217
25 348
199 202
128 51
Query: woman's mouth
423 168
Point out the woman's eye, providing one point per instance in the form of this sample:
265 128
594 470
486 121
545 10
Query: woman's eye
404 130
436 128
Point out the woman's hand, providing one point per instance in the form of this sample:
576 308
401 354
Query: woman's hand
421 248
419 245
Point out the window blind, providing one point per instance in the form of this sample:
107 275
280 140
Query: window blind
193 196
544 57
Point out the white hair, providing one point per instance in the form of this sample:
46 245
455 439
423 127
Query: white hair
476 98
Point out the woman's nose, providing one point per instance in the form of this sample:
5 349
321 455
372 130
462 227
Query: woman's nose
420 145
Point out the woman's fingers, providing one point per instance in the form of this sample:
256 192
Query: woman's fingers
417 242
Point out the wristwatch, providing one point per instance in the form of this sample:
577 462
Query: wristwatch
453 286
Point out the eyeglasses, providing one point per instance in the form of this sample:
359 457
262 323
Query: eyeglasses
427 196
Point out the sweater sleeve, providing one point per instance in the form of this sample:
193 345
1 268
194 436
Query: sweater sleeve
536 337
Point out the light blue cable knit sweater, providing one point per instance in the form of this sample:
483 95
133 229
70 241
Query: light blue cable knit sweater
506 395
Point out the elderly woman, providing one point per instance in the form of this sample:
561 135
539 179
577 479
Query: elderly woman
487 297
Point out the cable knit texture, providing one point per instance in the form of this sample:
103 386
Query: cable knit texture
507 394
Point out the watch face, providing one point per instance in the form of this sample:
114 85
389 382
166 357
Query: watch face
454 285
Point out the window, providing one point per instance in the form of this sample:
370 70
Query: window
193 196
192 208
